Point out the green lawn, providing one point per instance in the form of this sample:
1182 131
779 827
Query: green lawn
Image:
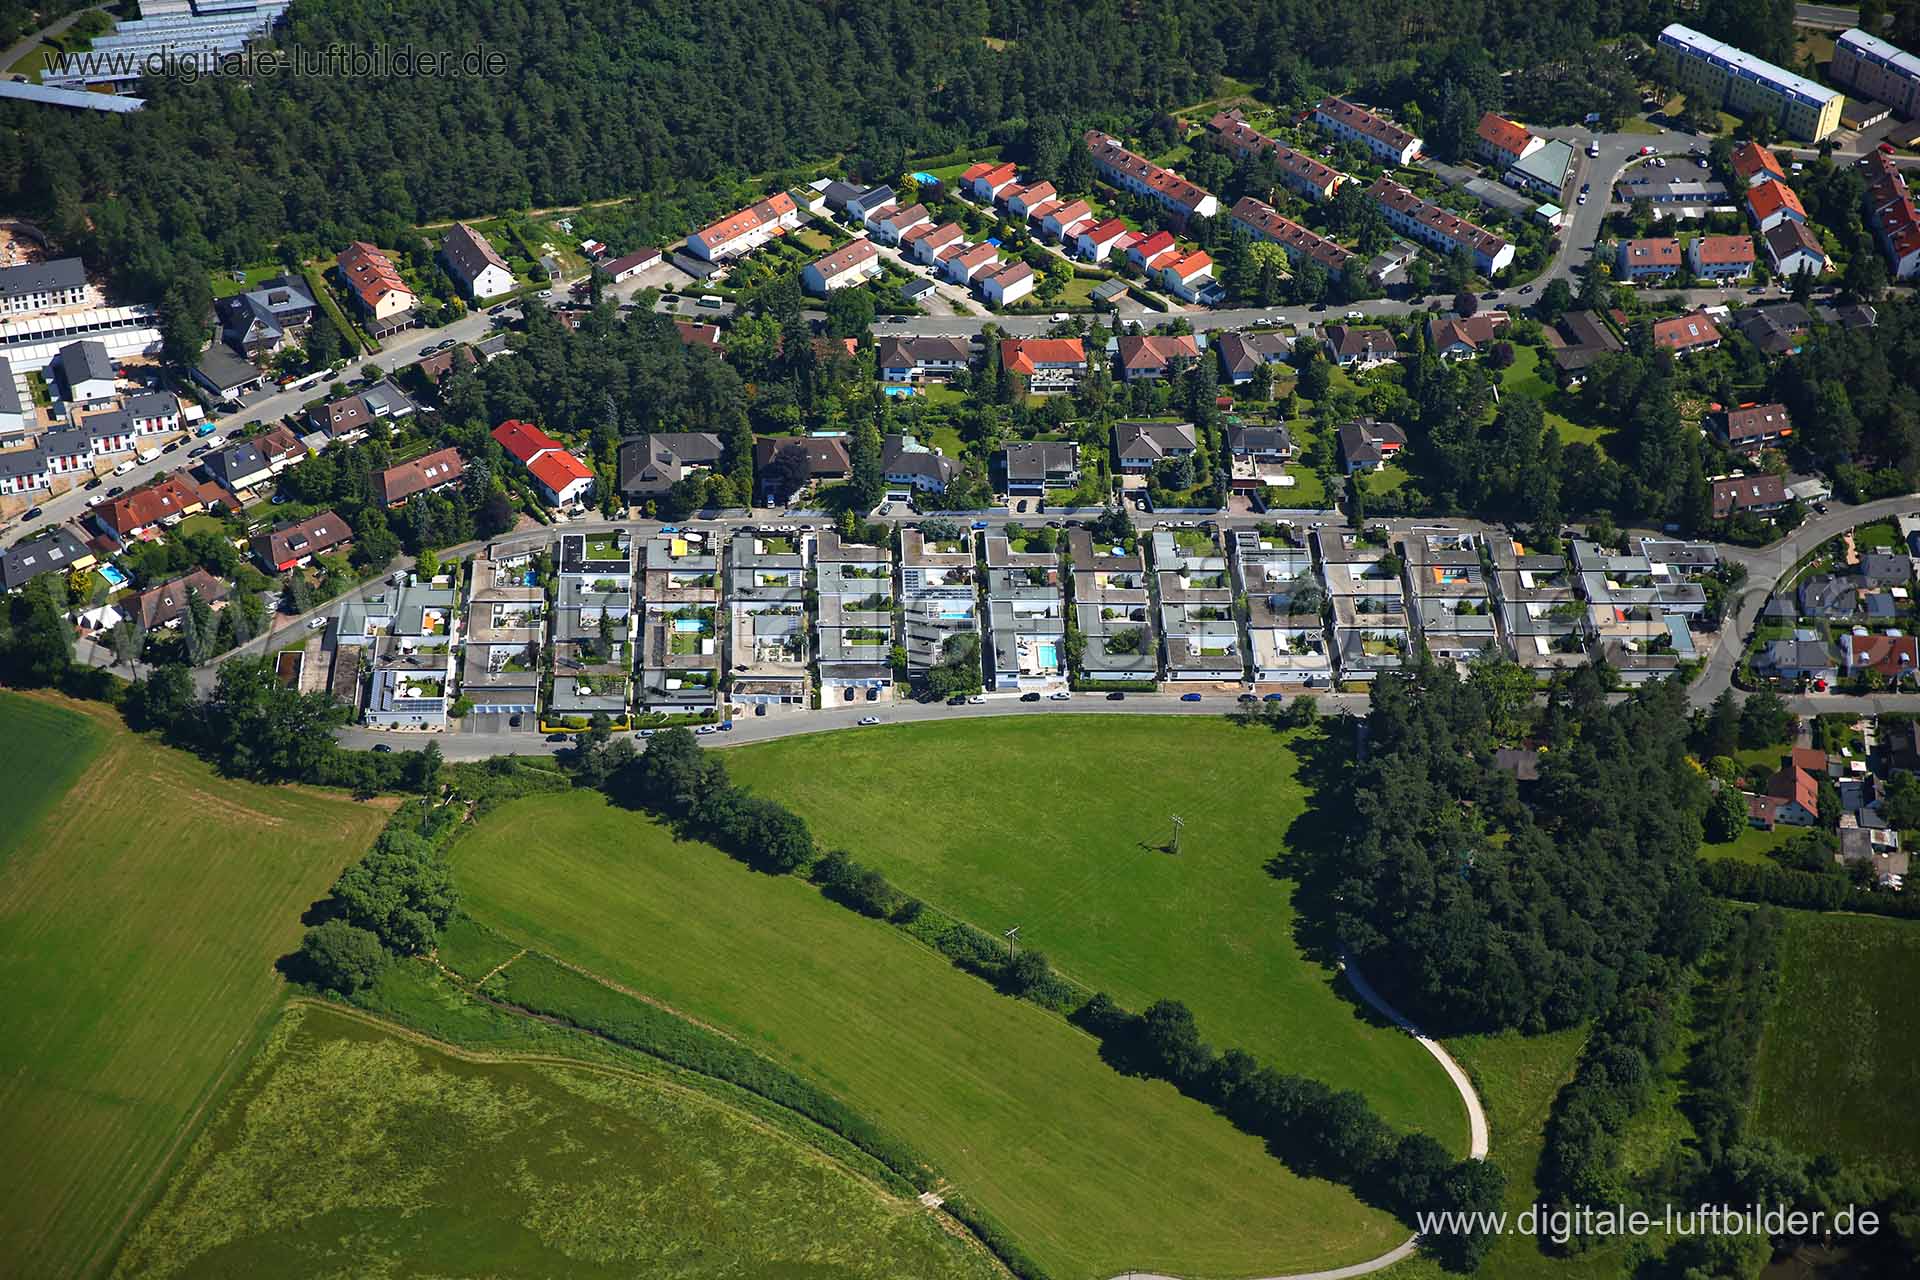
1307 490
143 901
1386 480
348 1143
1020 821
1091 1171
1751 845
1881 535
1532 375
225 286
1839 1050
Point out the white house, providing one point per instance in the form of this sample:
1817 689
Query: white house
745 230
1347 122
889 224
23 471
476 265
1006 284
849 265
154 412
962 267
87 370
925 248
1097 241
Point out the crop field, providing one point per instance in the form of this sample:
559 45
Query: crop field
1093 1172
1055 824
353 1149
143 902
1842 1040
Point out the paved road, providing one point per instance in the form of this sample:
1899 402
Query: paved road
1476 1137
1826 17
26 44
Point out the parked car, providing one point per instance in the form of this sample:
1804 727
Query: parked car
514 722
977 701
1276 697
1189 697
869 720
979 525
116 491
559 737
644 733
1062 696
1029 697
314 624
1247 697
34 513
957 700
1116 696
705 729
382 747
95 483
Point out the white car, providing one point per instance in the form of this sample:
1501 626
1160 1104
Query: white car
976 701
1356 315
1062 696
869 719
314 624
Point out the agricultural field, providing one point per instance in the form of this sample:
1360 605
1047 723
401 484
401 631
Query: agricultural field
1842 1040
1055 824
143 902
349 1142
1091 1171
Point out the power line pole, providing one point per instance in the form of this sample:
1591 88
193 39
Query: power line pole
1012 935
1179 823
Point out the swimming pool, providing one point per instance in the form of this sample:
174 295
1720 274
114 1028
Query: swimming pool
924 178
955 614
901 391
689 624
114 577
1049 656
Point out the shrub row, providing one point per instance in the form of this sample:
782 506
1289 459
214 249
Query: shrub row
1737 997
1810 891
542 986
1316 1129
1618 1072
995 1237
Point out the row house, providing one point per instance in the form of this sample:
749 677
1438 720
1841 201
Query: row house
1262 221
429 473
853 584
382 297
1026 617
1771 203
986 180
1435 227
1094 242
924 244
1024 202
1645 259
1721 257
681 658
745 230
1286 637
154 412
1131 172
1793 248
1006 283
767 611
506 626
850 265
1753 164
593 624
1891 214
42 286
162 504
889 223
938 595
1112 610
1452 603
293 545
1063 222
1189 277
114 433
66 450
960 263
1198 624
1372 631
1299 172
24 471
1351 123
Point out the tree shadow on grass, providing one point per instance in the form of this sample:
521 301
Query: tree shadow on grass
1315 842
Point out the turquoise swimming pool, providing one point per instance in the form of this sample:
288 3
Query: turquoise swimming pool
1049 656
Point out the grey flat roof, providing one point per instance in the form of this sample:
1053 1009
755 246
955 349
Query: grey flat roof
49 96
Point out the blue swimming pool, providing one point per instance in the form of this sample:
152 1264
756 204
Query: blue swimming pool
955 614
1049 656
901 391
689 624
924 178
114 577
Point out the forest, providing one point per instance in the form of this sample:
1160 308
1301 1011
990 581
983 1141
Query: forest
603 98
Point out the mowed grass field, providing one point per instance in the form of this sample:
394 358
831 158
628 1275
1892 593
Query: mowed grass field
143 902
351 1149
1052 824
1093 1172
1842 1040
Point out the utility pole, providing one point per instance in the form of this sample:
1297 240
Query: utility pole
1179 823
1012 935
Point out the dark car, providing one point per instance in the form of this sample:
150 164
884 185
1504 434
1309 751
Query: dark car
95 483
559 737
1189 697
381 747
957 700
1116 696
1247 697
1317 307
1029 697
1276 697
170 448
1491 295
726 726
513 722
116 491
34 513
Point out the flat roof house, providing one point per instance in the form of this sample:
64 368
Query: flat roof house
938 595
854 585
682 641
766 601
1197 622
1026 616
1112 610
1033 468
